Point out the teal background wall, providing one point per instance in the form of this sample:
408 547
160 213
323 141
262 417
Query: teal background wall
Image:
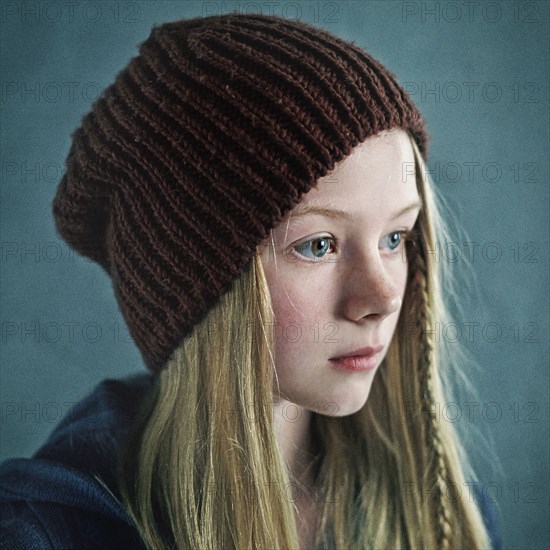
478 72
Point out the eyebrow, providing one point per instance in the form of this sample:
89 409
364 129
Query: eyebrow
413 206
320 210
325 209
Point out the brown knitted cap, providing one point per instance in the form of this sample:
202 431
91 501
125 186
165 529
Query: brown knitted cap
201 145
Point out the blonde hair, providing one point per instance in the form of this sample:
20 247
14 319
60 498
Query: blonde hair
203 469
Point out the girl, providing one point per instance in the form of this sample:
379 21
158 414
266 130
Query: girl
255 189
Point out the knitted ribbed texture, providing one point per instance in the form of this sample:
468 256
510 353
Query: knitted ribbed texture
201 145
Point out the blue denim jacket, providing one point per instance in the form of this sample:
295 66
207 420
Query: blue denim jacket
55 499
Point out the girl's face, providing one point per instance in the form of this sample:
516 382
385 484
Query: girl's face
337 275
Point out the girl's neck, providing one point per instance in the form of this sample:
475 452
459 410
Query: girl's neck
294 434
294 431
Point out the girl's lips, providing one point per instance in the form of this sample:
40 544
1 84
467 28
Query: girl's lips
359 360
361 352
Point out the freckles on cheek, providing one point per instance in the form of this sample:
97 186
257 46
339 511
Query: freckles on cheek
400 277
289 310
294 315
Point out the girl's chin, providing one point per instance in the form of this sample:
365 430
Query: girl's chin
338 406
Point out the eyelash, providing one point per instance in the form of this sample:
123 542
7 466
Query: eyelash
405 237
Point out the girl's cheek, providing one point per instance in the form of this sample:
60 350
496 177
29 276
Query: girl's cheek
399 274
404 277
295 311
290 311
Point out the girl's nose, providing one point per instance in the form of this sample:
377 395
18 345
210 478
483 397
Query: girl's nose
370 291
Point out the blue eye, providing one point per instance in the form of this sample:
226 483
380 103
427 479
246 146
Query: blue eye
318 247
393 240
